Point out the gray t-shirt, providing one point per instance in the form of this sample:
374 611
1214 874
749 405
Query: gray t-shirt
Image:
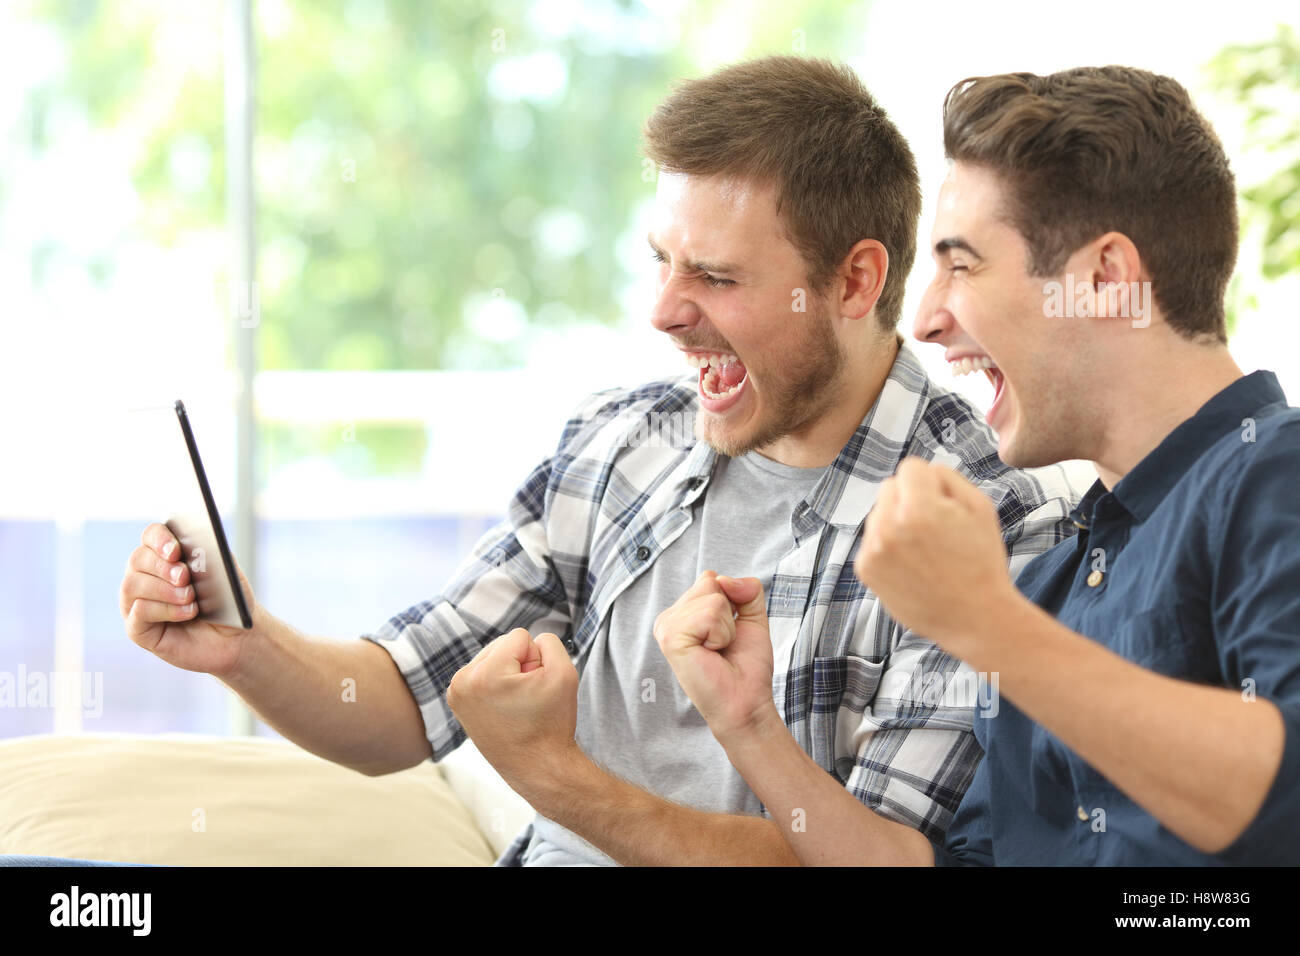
634 719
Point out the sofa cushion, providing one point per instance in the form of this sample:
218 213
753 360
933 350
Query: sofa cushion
223 801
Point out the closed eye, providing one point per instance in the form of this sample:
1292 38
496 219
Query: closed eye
712 280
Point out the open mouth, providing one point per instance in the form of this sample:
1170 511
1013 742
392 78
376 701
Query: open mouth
723 378
982 363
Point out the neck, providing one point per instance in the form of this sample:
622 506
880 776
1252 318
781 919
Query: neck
847 402
1152 398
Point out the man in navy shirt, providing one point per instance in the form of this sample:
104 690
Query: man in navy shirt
1147 670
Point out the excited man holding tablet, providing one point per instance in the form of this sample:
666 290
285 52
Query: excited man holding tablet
785 225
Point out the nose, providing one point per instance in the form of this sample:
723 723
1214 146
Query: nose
672 311
933 323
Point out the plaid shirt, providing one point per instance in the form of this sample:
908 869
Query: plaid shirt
883 709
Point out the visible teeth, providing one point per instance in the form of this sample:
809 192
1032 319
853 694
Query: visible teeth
730 391
712 380
710 360
967 365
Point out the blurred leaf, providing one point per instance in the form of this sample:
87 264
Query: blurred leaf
1260 76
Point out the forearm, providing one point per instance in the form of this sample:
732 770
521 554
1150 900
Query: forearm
344 700
1200 759
637 828
823 823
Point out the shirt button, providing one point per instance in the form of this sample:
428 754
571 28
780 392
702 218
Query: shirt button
1095 578
642 553
571 646
1083 814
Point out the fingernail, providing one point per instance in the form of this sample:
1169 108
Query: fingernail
168 548
176 574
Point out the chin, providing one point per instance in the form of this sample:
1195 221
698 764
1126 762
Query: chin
731 439
1026 454
717 436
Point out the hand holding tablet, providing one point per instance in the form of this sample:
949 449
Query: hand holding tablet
197 526
183 597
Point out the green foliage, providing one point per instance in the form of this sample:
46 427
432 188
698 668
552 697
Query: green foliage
357 451
1264 78
416 162
401 185
436 181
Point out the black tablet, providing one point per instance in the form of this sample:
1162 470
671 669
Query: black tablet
193 519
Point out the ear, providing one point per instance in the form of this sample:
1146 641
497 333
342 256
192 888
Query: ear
862 272
1112 269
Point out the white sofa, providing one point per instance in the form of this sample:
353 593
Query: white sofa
194 800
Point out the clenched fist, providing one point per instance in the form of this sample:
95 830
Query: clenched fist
518 701
717 642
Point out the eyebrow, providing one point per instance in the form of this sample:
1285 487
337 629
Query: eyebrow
716 268
955 242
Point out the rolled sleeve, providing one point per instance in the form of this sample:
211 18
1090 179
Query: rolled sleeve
915 750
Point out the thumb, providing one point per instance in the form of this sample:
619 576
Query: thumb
248 588
746 594
533 660
551 654
515 647
958 488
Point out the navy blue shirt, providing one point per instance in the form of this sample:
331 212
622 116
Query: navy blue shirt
1189 567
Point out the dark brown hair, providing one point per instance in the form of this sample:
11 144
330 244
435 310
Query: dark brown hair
1097 149
841 170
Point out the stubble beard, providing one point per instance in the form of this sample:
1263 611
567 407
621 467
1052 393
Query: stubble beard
809 385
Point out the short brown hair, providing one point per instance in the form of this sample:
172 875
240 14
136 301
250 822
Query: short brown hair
1090 150
841 170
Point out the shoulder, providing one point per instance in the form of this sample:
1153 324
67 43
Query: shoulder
608 418
1254 468
1270 437
637 434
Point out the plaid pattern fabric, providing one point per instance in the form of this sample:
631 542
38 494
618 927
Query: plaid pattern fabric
881 708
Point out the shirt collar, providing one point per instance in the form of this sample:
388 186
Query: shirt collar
1145 486
697 467
847 491
849 488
